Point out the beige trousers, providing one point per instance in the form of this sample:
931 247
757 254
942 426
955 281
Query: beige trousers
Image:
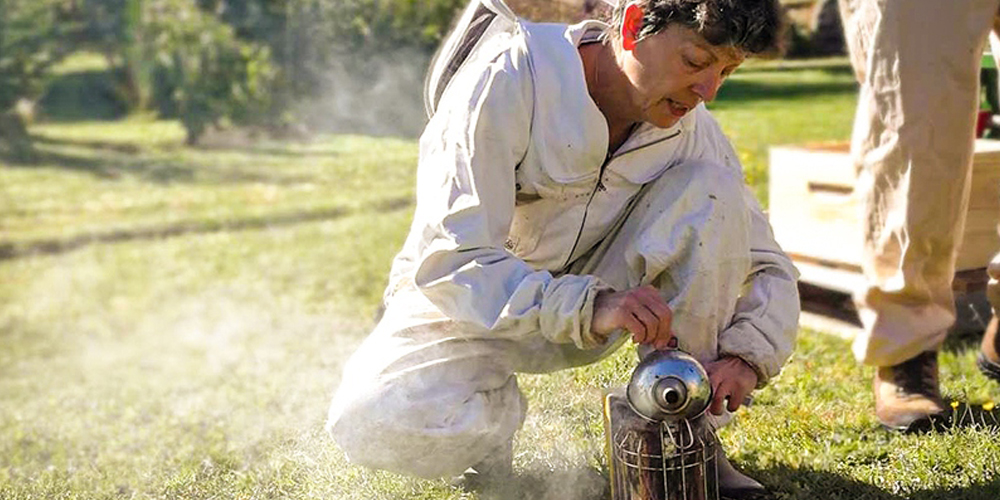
918 64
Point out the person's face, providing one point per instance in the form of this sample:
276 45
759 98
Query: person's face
672 71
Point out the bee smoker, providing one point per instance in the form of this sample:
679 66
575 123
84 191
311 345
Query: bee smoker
658 445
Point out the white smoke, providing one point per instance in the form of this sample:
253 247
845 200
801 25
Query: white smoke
382 96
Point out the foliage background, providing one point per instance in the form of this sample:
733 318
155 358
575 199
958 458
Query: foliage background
260 63
282 67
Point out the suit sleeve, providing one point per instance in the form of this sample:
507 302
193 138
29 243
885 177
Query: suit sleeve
765 324
465 203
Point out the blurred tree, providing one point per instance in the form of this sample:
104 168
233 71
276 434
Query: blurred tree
199 68
217 61
568 11
34 35
311 39
210 60
177 57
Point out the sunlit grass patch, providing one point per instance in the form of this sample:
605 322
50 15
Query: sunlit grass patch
112 181
195 355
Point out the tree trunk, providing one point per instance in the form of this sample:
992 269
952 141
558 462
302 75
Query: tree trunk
138 68
15 142
827 30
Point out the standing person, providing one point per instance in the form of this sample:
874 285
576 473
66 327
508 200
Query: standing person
918 64
571 187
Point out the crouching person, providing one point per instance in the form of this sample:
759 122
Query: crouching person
573 192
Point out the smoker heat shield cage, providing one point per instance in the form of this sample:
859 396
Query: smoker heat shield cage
650 460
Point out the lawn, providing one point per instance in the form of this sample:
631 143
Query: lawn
173 321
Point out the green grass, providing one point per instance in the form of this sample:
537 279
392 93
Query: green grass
173 321
107 180
784 102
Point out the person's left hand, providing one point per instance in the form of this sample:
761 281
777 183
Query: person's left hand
731 378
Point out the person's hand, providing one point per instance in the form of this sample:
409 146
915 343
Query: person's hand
640 310
732 379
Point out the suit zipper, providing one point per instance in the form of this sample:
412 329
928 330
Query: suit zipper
599 187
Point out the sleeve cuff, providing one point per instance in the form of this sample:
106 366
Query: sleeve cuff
588 339
747 343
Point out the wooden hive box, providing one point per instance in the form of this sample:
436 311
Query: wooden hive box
816 216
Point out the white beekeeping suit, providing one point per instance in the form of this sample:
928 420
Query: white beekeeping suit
522 218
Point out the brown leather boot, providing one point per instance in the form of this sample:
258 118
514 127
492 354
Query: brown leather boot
907 394
989 352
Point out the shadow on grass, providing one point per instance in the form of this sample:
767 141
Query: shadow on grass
785 483
118 147
788 483
9 251
246 144
102 165
807 484
985 491
983 417
265 150
112 161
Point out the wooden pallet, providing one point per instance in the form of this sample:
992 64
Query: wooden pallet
816 219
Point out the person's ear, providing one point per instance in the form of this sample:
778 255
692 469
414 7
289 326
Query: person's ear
631 26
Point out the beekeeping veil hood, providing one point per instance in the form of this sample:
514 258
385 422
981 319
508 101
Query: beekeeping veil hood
481 21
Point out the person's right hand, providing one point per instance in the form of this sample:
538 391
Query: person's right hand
640 310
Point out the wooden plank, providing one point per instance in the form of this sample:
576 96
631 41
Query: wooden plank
814 211
977 250
985 192
980 221
843 279
828 322
830 277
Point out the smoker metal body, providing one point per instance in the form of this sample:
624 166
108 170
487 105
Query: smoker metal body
659 446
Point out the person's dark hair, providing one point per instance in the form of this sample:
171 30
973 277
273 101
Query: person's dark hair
753 26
